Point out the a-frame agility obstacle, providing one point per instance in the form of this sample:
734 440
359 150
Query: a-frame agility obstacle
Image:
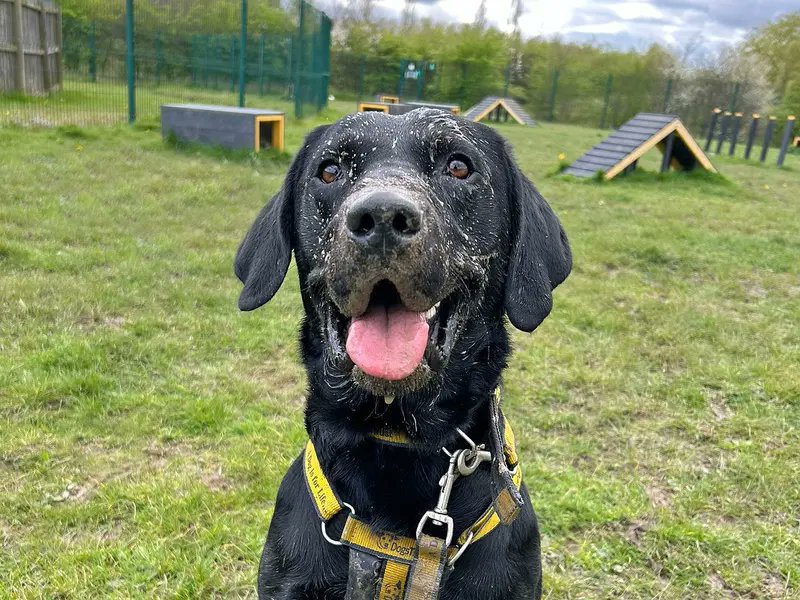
620 151
495 108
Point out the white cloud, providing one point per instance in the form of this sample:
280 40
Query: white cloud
619 23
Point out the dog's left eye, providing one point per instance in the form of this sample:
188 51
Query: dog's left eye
329 171
458 167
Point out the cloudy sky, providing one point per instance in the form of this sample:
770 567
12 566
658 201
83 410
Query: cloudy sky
621 24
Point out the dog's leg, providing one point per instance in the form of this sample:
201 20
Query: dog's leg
297 563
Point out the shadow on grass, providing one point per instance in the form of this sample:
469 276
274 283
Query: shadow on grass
269 155
645 177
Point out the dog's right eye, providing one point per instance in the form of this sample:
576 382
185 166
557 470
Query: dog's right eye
329 171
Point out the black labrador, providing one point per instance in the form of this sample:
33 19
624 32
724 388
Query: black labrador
414 236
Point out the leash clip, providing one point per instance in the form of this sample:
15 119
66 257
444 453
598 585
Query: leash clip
439 519
463 462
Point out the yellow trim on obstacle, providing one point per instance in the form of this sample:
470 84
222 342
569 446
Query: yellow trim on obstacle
673 126
494 105
389 99
372 106
276 140
796 142
694 147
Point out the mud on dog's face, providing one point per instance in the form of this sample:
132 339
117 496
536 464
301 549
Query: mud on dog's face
407 231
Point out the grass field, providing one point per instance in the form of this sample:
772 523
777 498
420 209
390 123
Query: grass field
145 423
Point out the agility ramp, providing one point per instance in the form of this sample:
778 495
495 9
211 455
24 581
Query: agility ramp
496 108
620 152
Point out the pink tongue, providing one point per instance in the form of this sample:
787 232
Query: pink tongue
388 344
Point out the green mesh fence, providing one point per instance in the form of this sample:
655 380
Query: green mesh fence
564 94
311 59
182 51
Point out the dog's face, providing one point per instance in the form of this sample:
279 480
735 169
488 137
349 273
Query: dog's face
412 234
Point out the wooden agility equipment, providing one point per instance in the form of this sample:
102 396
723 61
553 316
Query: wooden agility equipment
496 108
397 108
620 152
227 126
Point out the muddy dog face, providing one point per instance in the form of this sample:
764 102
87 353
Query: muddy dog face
413 236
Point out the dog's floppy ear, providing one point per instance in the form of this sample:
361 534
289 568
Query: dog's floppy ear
264 255
540 254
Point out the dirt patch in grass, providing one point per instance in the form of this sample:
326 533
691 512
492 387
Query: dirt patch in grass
659 496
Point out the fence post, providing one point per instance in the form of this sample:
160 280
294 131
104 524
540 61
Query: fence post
243 54
261 45
767 138
609 83
46 75
206 58
508 81
159 57
298 66
19 45
711 127
726 120
462 90
361 72
734 97
93 52
667 95
553 91
737 123
787 135
60 44
130 62
751 135
232 66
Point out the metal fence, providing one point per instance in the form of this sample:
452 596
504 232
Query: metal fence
122 59
564 95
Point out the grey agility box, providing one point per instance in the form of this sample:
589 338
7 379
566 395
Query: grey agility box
226 126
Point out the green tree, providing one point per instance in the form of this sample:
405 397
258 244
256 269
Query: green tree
778 44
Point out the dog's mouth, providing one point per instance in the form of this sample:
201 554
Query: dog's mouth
391 348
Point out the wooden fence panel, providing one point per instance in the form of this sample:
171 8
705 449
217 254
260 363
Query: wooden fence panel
30 46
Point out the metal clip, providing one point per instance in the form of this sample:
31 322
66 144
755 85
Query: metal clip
462 462
440 520
469 460
446 483
329 539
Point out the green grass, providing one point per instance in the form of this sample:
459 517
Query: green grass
105 102
145 423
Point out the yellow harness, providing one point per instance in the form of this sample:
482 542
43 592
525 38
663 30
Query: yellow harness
412 569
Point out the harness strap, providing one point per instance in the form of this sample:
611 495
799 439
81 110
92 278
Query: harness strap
326 502
393 581
362 575
427 569
408 568
508 500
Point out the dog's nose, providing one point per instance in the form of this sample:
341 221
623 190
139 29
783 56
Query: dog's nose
383 220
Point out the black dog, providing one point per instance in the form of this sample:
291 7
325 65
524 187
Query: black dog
413 237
